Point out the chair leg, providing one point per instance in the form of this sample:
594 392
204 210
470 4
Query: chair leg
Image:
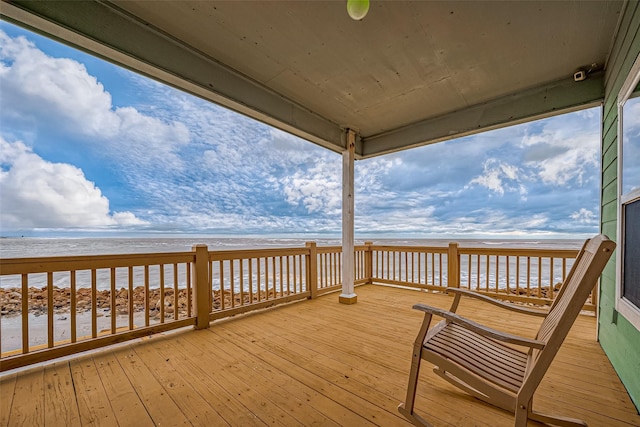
406 408
522 414
414 418
413 380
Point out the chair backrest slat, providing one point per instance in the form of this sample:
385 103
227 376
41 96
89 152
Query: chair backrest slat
574 283
581 279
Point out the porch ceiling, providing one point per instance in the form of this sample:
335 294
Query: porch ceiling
410 73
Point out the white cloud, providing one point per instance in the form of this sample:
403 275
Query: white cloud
404 219
318 189
497 175
40 194
584 216
491 180
632 114
247 163
572 164
57 86
565 150
59 93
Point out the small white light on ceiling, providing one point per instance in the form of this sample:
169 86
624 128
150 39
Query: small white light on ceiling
357 9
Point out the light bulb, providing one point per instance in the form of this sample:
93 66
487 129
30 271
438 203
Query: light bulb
357 9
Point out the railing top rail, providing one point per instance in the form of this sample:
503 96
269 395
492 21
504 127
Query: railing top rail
333 249
328 249
532 252
255 253
87 262
428 249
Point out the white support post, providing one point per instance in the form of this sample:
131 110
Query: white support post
348 295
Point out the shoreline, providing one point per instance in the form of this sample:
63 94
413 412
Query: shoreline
11 301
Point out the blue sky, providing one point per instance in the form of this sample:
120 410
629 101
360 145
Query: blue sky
89 148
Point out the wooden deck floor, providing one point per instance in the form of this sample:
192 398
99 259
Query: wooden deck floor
309 363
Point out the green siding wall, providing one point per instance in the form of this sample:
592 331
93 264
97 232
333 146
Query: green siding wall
619 339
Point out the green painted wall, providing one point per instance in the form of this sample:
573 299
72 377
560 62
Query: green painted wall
619 339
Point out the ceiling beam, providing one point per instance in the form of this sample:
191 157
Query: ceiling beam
548 100
108 32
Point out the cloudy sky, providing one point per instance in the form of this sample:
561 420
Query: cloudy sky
89 148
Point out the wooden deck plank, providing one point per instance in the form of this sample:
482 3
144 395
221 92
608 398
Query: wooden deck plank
7 389
124 400
382 346
161 408
195 408
299 409
376 389
360 345
196 374
60 405
609 408
93 403
336 412
315 362
356 404
28 399
569 376
255 399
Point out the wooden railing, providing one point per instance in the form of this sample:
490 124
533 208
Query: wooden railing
328 269
413 266
64 305
90 302
246 280
520 275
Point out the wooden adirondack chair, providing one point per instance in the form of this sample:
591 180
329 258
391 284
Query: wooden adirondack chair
476 359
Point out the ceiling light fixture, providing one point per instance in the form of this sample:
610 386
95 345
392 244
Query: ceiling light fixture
357 9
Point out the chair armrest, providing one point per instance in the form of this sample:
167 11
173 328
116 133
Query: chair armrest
480 329
494 301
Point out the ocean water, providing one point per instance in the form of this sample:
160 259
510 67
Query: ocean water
48 247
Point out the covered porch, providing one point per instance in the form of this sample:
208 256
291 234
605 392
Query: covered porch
415 73
307 363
